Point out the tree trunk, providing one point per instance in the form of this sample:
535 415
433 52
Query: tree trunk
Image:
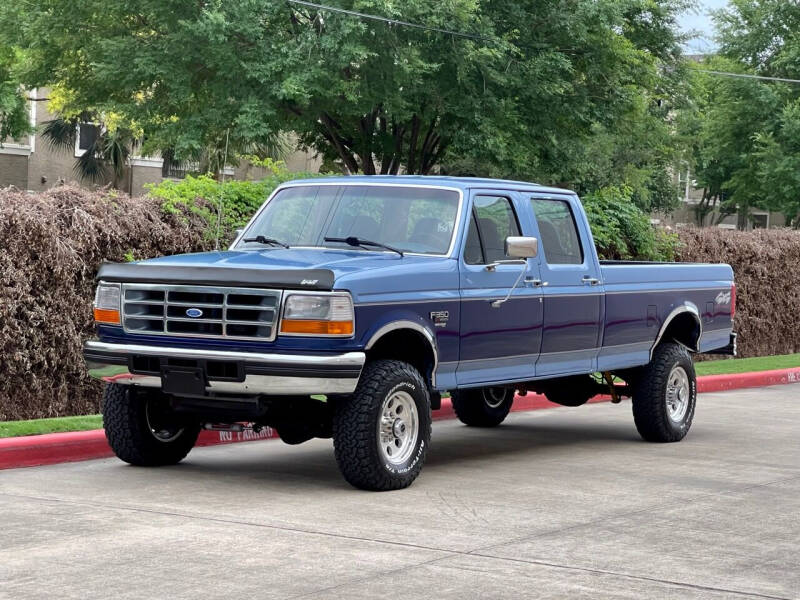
331 134
412 145
361 152
741 218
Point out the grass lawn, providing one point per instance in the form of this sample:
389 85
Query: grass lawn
38 426
745 365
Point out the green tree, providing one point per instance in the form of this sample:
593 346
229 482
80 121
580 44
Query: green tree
523 98
14 115
746 152
765 36
725 123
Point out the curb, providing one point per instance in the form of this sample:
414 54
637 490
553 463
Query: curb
54 448
722 383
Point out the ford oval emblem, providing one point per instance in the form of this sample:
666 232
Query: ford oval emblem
194 313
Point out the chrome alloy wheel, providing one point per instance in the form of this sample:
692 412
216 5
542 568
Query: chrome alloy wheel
398 427
678 394
494 396
159 426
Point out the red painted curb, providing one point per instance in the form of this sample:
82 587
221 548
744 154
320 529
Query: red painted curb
721 383
53 448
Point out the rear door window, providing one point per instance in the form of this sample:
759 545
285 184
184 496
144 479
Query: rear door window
558 232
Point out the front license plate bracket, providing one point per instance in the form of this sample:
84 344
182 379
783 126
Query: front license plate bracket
183 381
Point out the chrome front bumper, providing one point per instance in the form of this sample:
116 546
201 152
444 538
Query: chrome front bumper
244 373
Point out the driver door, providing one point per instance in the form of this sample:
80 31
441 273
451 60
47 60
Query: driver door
497 343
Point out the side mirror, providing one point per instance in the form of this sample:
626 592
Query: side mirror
238 232
522 247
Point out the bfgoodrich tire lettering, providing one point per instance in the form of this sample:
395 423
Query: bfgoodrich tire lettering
141 430
367 427
665 395
483 407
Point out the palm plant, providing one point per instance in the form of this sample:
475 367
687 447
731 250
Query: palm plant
227 150
104 159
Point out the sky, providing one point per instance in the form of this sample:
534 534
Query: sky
700 20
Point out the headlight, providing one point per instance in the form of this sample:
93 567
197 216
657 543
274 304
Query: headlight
106 303
305 314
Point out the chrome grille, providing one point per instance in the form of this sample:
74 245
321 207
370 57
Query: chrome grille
200 311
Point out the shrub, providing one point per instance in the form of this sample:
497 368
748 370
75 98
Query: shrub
204 196
51 245
622 231
767 283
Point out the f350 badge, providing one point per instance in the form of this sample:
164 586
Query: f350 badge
440 318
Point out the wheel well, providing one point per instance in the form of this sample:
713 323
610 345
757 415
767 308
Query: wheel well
684 329
409 346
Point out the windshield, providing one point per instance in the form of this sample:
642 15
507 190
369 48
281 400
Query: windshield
410 219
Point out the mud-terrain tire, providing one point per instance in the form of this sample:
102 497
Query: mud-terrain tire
142 430
483 407
382 432
665 395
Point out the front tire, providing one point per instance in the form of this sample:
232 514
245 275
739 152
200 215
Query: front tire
483 407
665 395
382 432
142 429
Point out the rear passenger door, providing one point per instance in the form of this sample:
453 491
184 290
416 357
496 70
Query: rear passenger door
497 343
573 292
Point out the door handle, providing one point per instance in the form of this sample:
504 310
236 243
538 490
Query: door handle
589 280
531 281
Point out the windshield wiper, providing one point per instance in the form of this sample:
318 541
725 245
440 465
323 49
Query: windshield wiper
260 239
354 241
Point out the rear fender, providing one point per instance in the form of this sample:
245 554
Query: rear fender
683 325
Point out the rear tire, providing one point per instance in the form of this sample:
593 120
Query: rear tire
483 407
382 432
142 429
665 395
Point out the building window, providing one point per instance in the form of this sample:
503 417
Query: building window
87 135
174 170
760 220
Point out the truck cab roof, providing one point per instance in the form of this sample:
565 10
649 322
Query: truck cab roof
462 183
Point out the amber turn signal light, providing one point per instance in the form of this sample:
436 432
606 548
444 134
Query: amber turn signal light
311 327
103 315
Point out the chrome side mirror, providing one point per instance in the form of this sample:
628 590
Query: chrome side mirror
522 247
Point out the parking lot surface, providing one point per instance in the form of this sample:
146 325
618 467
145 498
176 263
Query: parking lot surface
561 503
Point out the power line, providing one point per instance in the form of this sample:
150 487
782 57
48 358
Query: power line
361 15
745 76
473 36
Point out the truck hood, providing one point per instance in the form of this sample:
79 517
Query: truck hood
302 268
341 262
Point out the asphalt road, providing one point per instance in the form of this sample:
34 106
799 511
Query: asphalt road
561 503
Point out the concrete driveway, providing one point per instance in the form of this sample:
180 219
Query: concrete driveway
561 503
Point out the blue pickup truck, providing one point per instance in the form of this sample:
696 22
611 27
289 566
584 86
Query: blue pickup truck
349 305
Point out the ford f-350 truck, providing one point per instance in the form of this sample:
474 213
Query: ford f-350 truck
348 306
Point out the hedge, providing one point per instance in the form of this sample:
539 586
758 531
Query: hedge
50 247
765 266
52 243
